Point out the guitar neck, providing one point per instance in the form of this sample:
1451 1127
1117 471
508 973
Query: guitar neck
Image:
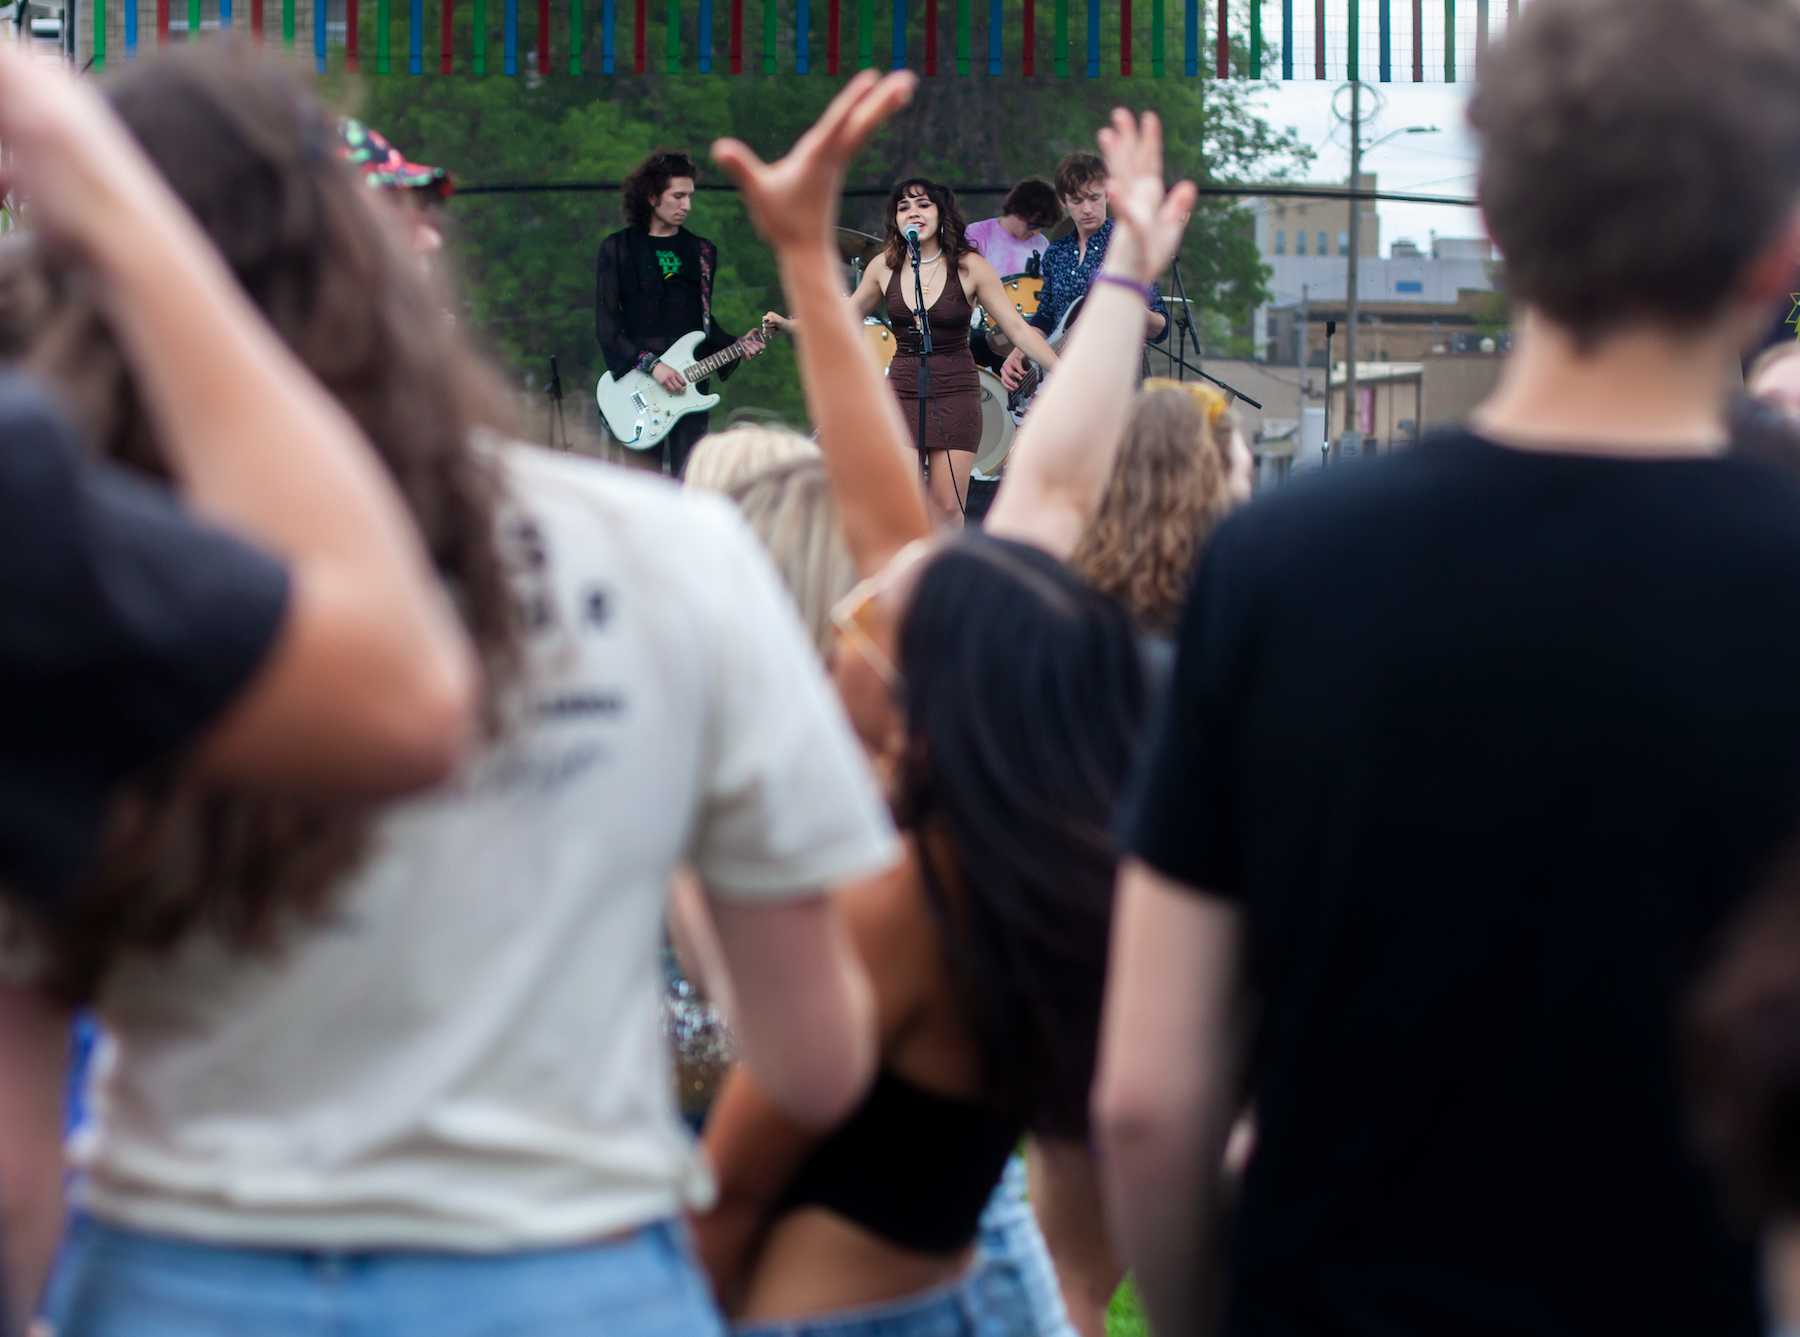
723 358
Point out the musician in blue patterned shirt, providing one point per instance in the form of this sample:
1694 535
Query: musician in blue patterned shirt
1071 262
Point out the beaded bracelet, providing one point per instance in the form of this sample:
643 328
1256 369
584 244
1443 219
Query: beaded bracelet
1144 290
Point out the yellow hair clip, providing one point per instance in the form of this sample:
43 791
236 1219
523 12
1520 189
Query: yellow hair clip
1213 404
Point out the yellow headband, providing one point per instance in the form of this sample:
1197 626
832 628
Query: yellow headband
1213 404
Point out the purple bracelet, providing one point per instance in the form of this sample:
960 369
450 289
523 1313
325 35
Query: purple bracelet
1146 291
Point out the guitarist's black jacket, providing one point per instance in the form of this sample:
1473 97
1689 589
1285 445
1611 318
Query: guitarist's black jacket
648 292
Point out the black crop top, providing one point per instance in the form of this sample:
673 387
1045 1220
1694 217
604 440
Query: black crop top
911 1166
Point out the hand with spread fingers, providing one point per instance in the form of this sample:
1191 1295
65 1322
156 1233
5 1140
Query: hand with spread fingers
793 202
1149 218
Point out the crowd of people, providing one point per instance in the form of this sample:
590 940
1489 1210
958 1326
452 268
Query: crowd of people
1369 908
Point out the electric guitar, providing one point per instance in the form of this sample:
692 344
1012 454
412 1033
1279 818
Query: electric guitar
1017 401
640 413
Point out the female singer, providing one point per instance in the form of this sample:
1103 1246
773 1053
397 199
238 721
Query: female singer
953 393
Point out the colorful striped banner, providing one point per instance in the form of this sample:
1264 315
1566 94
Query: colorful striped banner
1224 53
640 37
1093 36
996 36
931 36
1156 39
734 45
609 36
1028 39
1256 39
415 35
384 29
577 29
1318 39
897 38
318 38
1353 49
1287 39
672 37
446 36
865 34
1386 19
1059 59
803 34
509 37
834 29
1449 41
771 31
543 36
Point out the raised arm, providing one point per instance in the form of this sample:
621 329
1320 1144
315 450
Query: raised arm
864 302
369 684
1065 451
793 203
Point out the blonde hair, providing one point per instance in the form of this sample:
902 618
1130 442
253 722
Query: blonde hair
1169 486
722 460
792 510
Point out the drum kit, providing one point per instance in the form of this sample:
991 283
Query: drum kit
987 342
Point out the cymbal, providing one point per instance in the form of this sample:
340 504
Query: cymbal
854 246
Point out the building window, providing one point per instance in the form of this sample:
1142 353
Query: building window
1300 242
1323 248
1281 241
1343 243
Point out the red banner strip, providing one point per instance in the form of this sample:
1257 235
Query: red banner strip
1224 60
931 34
1125 37
352 41
446 35
833 35
162 20
1028 42
737 34
640 54
543 36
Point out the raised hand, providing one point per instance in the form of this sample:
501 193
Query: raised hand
1151 217
793 201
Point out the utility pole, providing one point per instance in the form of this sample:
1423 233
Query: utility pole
1352 418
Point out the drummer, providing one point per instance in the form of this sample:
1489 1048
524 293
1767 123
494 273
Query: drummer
1015 241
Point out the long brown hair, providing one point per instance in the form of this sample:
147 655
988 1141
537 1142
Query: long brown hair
952 230
1169 487
254 156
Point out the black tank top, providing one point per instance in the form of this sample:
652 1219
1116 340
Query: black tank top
910 1165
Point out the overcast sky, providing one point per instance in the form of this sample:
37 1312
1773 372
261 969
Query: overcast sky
1436 164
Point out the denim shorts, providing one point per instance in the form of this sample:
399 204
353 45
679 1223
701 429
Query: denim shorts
957 1310
1021 1290
112 1282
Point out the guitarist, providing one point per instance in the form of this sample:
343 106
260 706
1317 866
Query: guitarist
653 283
1071 262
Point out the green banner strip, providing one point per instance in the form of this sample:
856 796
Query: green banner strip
964 30
1353 52
1449 41
771 28
1156 38
384 41
1256 38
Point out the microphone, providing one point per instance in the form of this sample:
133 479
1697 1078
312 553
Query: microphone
912 242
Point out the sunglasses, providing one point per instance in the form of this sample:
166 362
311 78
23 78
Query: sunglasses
856 618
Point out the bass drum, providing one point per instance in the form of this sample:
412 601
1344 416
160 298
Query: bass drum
996 428
880 338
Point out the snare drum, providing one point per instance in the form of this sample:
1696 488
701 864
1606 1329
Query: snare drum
996 428
880 338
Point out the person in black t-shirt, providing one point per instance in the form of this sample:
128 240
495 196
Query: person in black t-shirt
1471 749
315 651
653 283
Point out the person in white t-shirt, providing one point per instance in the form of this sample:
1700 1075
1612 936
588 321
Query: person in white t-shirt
439 1103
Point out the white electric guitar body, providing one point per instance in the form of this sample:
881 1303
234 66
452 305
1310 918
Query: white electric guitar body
640 413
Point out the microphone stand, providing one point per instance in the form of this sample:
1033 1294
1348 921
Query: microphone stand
1330 329
1184 323
923 323
557 427
1226 386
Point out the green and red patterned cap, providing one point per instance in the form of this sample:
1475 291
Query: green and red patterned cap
382 166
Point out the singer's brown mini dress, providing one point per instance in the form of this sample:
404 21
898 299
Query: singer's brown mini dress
953 414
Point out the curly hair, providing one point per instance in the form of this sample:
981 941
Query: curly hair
952 228
1034 200
310 246
1169 487
650 179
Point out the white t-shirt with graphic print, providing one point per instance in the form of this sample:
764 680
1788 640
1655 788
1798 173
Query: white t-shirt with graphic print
468 1055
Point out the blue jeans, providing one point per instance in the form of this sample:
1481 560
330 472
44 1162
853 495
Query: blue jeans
111 1282
959 1310
1024 1298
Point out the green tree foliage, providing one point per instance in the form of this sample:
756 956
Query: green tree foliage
528 255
